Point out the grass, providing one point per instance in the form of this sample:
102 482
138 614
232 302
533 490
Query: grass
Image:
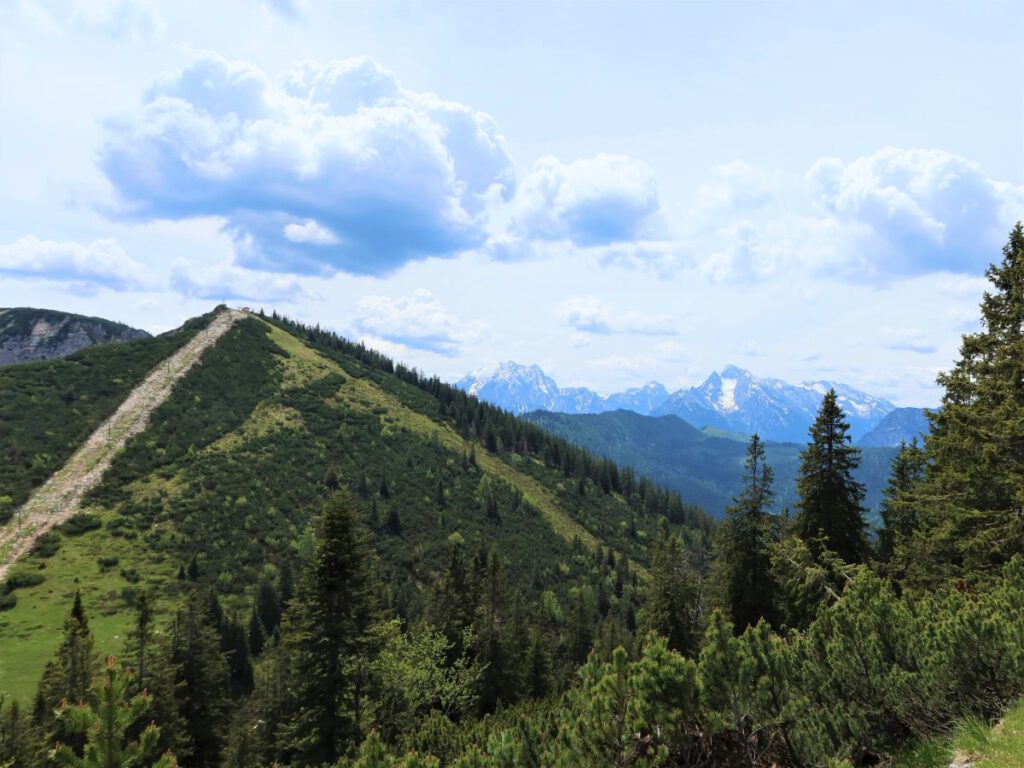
984 746
31 631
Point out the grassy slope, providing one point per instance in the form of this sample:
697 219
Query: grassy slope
706 469
999 746
47 409
236 461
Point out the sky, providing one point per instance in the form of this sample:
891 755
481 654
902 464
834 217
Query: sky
618 192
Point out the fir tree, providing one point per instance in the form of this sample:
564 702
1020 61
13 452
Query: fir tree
830 499
199 679
742 572
899 511
326 642
671 595
68 678
971 501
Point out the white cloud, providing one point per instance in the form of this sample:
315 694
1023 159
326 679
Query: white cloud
916 210
225 282
590 315
890 215
392 175
419 321
309 232
596 201
99 264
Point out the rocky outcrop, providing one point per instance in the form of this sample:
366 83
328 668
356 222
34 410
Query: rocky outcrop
42 334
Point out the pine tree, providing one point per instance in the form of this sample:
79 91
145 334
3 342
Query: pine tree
68 678
325 639
899 510
106 720
830 499
742 572
671 595
972 499
198 678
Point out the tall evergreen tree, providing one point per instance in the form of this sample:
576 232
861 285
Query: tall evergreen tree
830 506
899 509
67 678
325 640
199 679
972 499
742 572
671 595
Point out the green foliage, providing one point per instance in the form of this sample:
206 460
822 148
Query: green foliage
49 408
106 719
671 593
830 499
742 574
705 469
327 643
970 500
899 510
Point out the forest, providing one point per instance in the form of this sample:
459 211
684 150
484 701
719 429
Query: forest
325 558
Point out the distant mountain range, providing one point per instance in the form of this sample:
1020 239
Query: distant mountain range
731 400
28 334
705 468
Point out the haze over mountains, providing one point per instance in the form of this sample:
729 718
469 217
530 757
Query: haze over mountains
731 400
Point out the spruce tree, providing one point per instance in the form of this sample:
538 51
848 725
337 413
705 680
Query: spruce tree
326 644
68 677
972 498
199 679
671 595
742 573
899 510
830 506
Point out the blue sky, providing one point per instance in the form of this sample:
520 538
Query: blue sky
618 192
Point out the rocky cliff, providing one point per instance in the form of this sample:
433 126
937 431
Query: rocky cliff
44 334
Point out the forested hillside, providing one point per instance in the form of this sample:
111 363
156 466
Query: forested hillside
704 468
314 557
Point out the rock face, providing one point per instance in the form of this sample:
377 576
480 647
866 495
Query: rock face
28 334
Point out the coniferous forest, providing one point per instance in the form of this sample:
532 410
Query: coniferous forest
314 556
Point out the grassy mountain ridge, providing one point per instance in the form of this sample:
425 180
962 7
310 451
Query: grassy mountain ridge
250 443
705 467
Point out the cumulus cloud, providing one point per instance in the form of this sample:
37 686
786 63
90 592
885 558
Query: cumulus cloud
916 210
890 215
907 340
84 268
326 168
587 314
596 201
225 282
419 321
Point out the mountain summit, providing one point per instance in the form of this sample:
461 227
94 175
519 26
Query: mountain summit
732 399
523 388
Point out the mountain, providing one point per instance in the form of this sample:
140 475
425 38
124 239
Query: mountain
222 483
731 400
899 426
734 400
704 468
44 334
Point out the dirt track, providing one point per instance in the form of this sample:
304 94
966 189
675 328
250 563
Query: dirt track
59 497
